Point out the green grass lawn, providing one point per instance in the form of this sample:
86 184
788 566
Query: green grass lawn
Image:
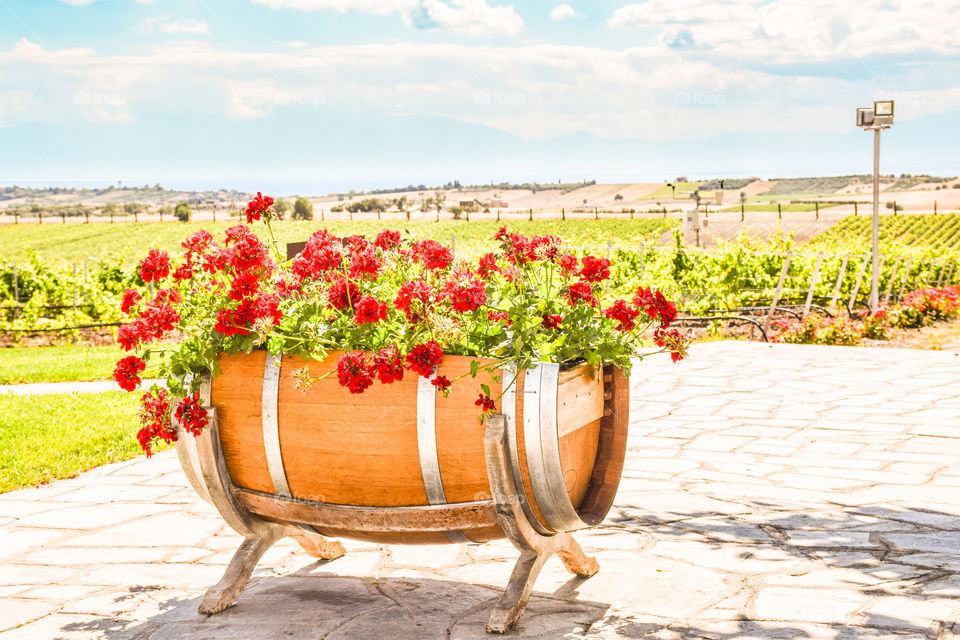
49 437
129 241
57 364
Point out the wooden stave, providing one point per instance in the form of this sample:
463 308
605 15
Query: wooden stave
594 487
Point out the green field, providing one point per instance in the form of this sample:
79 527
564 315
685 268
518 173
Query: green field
939 231
48 437
129 241
20 365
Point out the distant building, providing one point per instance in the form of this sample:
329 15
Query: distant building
497 203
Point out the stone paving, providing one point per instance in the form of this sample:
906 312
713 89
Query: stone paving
771 491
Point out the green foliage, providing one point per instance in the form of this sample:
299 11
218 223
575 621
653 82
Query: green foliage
302 209
282 208
182 212
366 205
928 230
827 184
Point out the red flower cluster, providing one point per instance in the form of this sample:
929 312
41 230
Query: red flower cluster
389 365
322 253
368 310
130 299
259 206
232 322
655 305
594 269
552 321
623 314
431 254
191 416
581 292
520 249
485 403
672 340
343 294
353 372
466 295
442 383
413 298
155 415
156 266
424 358
127 372
387 240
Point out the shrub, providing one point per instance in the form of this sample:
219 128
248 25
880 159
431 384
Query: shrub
302 209
182 212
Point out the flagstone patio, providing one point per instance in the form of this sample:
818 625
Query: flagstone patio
771 491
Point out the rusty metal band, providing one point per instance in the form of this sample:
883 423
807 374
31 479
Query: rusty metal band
542 445
187 445
427 449
508 405
270 421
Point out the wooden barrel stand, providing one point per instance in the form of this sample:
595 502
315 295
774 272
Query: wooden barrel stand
527 499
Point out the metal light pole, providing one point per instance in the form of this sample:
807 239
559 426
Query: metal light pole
877 119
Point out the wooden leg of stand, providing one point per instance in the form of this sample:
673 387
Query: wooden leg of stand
226 592
535 549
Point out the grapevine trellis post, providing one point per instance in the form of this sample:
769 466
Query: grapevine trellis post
905 278
16 292
893 277
776 294
856 288
74 289
813 284
836 287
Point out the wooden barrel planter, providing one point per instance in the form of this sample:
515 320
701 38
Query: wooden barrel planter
401 463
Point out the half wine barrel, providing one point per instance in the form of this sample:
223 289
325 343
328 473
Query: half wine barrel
401 463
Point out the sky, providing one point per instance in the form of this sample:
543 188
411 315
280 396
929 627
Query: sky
314 96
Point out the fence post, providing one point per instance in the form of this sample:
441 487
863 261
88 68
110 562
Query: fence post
160 211
136 216
905 278
322 218
16 217
498 214
596 214
776 294
934 207
893 276
350 211
40 214
378 215
856 288
855 209
836 287
563 214
894 207
813 284
741 212
664 213
86 214
779 212
817 209
63 217
531 215
111 217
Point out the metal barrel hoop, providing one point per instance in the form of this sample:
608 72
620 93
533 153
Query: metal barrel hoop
508 404
427 449
187 446
542 444
270 423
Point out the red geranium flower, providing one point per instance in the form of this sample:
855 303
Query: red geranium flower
389 365
191 416
485 402
424 358
369 310
130 299
552 321
343 293
441 382
127 372
353 372
595 269
259 206
623 314
432 254
155 266
465 295
581 292
387 240
413 298
198 242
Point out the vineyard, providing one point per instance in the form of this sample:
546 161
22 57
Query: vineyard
940 230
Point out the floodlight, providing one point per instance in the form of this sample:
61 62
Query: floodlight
865 117
883 107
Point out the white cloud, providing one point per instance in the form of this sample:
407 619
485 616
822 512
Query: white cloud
145 2
562 12
77 3
796 31
165 24
531 91
471 17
